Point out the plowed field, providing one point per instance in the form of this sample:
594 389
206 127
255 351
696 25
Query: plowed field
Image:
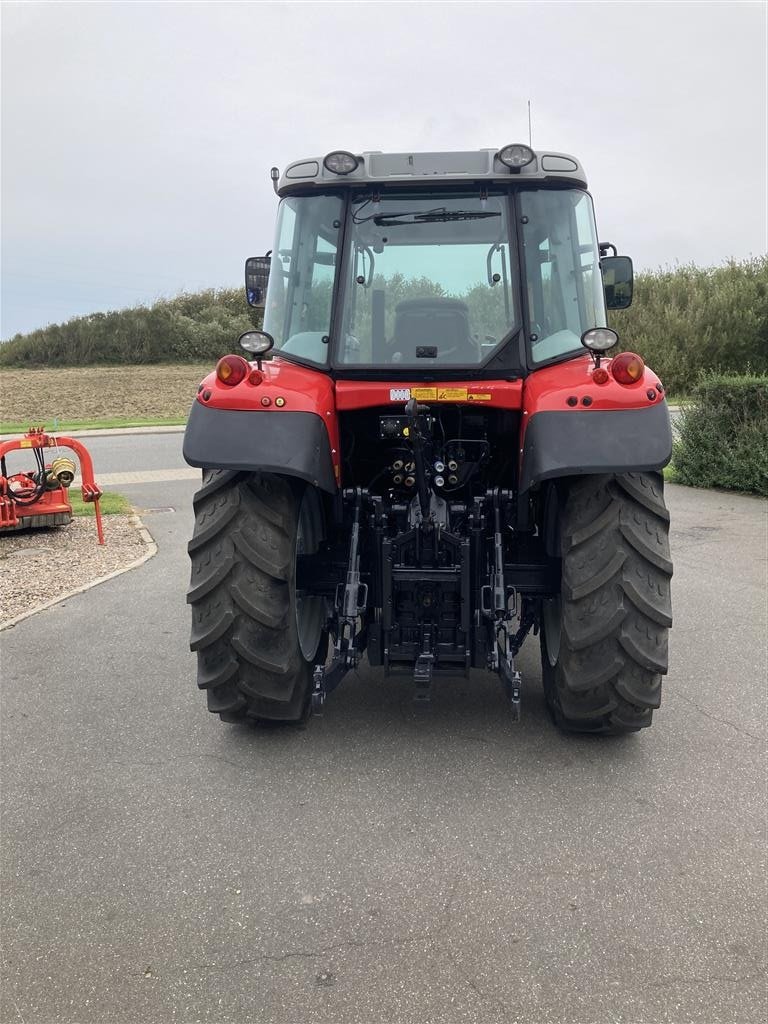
77 395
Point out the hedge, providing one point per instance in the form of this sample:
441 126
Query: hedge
690 318
723 434
681 321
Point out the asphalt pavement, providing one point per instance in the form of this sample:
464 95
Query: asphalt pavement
383 864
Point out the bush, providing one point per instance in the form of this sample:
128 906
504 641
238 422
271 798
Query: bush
694 318
723 434
190 328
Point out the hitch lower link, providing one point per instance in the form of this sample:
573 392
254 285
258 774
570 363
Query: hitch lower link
350 602
510 677
499 603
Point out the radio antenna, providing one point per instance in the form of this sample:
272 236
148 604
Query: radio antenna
530 133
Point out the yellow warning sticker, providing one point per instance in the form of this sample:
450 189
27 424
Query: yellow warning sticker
424 394
452 395
25 444
479 398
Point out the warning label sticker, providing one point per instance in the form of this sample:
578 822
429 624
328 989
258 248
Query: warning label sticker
438 395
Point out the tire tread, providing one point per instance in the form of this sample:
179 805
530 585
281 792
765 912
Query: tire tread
616 606
245 637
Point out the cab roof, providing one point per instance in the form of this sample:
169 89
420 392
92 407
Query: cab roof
481 165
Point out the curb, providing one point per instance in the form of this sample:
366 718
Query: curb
145 535
108 432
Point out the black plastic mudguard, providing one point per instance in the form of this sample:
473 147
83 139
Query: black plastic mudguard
577 443
289 443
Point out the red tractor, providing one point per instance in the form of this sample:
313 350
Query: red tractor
428 453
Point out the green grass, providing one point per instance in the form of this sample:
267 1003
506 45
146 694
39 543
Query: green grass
111 504
67 427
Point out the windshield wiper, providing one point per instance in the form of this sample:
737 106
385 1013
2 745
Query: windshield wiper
439 215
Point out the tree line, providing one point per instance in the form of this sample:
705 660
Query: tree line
682 321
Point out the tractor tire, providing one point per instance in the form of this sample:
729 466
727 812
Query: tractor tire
256 643
604 640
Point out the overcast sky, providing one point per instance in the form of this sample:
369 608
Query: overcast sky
137 138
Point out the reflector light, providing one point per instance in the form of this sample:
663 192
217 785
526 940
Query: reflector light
230 370
627 367
516 156
600 375
255 377
341 162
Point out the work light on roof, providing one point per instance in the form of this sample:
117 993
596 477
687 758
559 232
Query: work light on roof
516 156
341 162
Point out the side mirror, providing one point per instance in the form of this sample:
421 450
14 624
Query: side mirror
256 279
617 281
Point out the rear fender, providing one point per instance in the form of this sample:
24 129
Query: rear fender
280 420
572 426
293 444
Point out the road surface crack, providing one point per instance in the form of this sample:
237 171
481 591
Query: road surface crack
715 718
311 954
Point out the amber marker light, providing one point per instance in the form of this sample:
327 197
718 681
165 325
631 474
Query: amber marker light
627 367
230 370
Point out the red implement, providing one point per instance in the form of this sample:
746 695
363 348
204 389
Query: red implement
39 497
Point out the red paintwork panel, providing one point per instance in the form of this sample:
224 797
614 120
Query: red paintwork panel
497 394
549 389
305 390
301 389
545 390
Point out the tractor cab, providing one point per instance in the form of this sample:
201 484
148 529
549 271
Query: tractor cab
487 262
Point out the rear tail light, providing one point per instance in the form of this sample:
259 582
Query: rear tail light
230 370
627 368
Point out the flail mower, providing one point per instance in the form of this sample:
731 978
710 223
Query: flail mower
40 497
429 451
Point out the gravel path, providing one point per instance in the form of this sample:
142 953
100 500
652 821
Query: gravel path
37 566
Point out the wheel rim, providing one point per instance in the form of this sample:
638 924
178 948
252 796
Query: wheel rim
550 614
310 611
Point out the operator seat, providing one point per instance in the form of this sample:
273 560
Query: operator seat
433 322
